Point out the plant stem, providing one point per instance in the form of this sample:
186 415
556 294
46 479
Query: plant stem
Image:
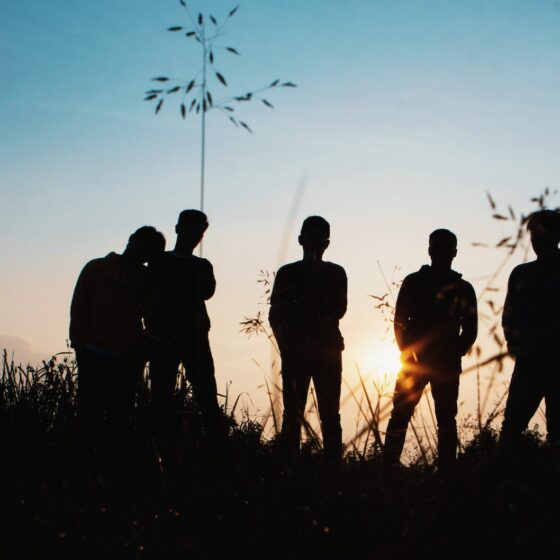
203 128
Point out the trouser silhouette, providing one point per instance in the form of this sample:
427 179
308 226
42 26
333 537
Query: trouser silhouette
408 392
531 381
196 356
106 391
300 365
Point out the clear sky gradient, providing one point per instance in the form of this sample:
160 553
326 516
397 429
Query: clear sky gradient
407 111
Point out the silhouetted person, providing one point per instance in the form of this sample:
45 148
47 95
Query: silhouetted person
180 325
107 334
435 325
531 322
308 300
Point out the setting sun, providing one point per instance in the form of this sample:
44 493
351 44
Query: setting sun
382 360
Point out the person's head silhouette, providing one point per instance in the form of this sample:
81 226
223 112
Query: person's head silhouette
544 227
190 229
442 248
144 245
314 237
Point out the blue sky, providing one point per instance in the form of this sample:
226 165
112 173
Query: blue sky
405 114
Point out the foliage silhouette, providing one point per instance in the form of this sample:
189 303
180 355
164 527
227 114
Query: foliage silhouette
197 93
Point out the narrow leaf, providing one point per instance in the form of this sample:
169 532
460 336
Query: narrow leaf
174 89
233 11
228 108
159 106
197 108
190 86
233 121
268 103
175 28
190 34
289 84
193 103
499 217
213 20
274 83
200 19
183 3
211 57
209 97
245 126
232 50
512 213
204 105
154 91
160 79
491 200
221 78
150 97
183 110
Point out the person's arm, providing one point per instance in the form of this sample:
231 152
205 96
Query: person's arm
339 296
469 324
509 315
206 280
80 308
277 315
402 314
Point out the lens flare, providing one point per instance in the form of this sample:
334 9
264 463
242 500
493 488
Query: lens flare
381 361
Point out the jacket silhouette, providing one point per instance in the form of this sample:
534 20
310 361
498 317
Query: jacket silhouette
178 323
435 318
106 331
531 322
308 300
435 325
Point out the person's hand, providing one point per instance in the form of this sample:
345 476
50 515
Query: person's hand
76 344
514 350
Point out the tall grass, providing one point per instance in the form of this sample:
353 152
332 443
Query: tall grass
54 506
372 398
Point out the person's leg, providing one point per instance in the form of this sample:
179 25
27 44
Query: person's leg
327 379
524 397
295 385
164 365
445 392
552 402
408 391
199 365
125 375
90 399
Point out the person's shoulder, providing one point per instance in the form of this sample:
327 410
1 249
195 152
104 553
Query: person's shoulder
522 269
201 261
99 263
466 286
525 266
166 259
289 267
335 268
416 276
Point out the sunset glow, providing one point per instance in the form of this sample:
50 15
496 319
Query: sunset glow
382 361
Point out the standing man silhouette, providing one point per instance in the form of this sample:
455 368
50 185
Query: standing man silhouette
308 299
531 322
107 334
435 325
179 324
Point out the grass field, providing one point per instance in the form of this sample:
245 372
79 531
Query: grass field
56 504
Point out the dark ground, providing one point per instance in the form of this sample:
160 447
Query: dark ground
55 505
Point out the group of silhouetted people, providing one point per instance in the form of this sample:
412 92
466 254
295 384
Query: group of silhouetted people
125 314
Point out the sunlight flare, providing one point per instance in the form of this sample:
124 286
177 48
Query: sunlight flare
381 361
